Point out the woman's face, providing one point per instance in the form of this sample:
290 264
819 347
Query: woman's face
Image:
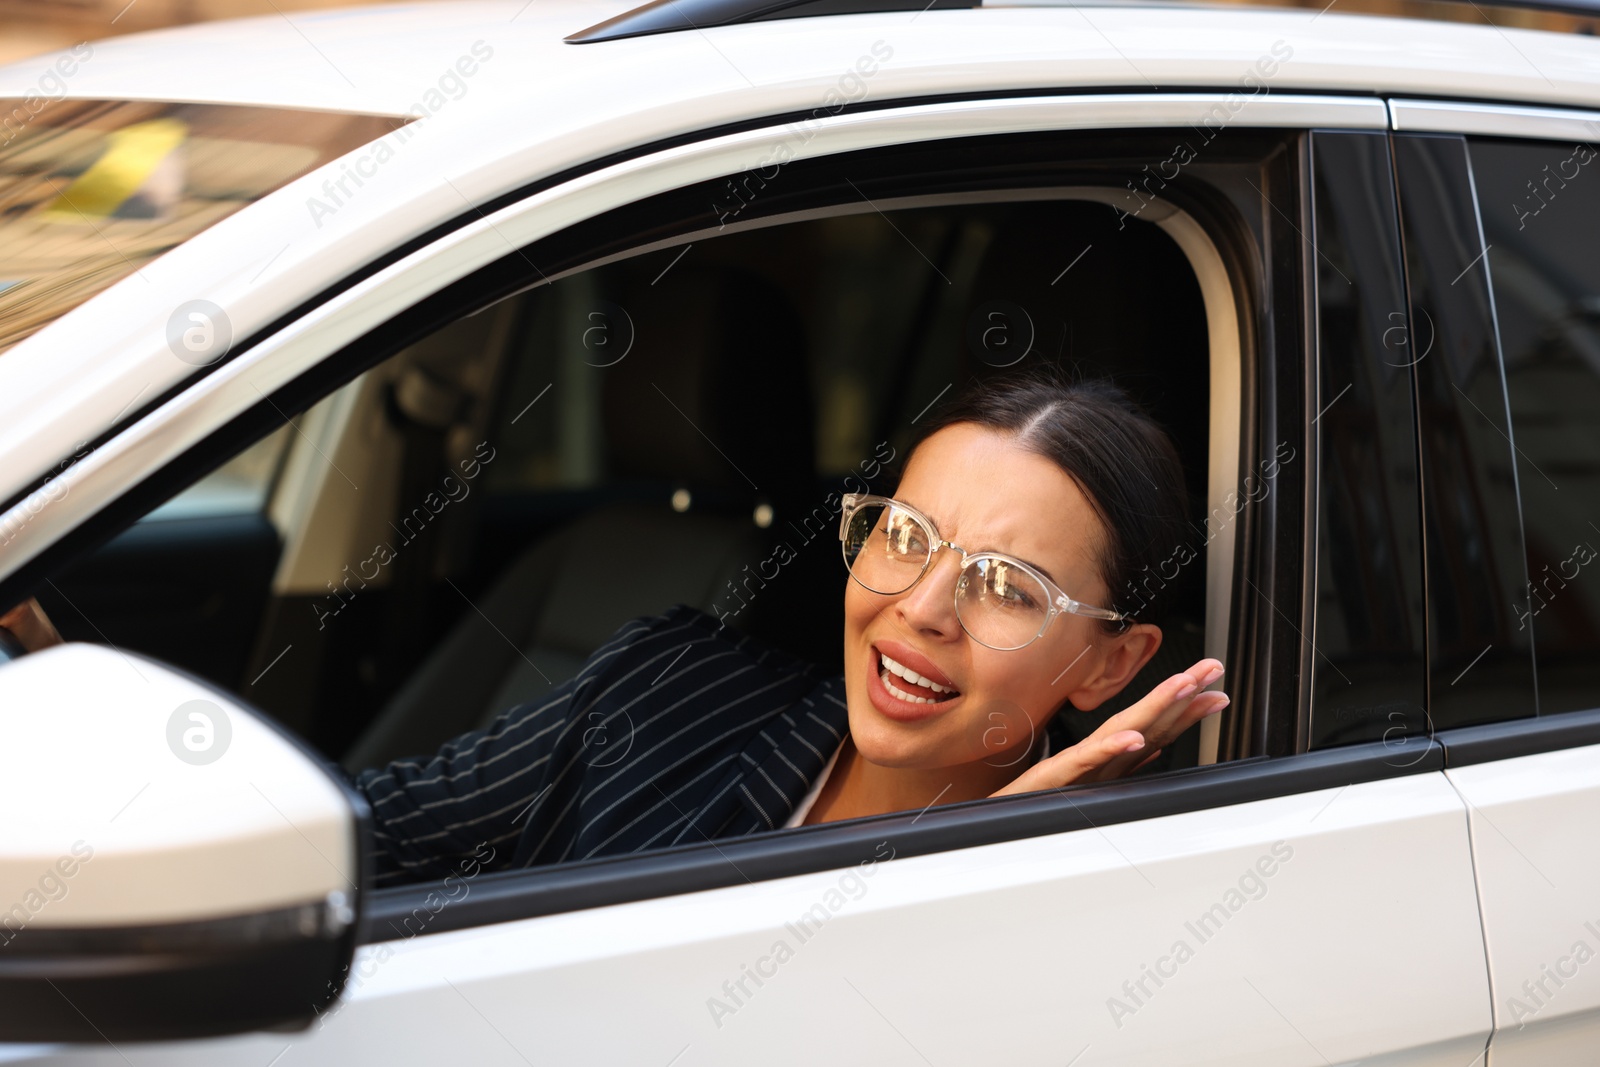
982 492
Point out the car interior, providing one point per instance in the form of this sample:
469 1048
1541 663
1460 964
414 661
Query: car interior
456 529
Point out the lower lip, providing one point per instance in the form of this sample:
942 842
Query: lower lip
893 707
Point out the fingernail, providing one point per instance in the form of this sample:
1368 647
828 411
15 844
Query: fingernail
1211 676
1186 692
1218 706
1134 747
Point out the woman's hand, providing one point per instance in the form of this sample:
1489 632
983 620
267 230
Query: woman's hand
1131 737
31 626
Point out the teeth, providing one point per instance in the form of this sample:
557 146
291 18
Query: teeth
891 667
912 676
901 694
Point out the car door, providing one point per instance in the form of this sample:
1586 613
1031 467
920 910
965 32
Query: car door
1282 903
1508 218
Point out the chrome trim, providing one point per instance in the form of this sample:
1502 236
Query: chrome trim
1494 120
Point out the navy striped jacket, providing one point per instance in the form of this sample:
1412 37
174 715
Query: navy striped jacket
677 730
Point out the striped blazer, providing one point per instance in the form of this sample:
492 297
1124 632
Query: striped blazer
675 731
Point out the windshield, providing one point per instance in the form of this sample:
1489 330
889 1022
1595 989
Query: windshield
91 191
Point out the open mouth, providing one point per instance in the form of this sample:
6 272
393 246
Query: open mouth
905 684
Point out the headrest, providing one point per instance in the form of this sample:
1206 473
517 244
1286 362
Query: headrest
1102 294
716 390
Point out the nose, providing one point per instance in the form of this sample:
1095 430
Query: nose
929 607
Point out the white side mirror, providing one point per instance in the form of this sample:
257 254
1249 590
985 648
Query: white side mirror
171 864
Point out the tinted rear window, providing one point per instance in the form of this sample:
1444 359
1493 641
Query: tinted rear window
1540 203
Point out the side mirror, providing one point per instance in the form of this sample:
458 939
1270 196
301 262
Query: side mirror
171 864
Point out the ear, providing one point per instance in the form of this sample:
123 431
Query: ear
1121 657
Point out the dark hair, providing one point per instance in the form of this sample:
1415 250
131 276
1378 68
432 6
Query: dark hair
1120 457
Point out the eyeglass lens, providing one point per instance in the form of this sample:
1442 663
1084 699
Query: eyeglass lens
1001 605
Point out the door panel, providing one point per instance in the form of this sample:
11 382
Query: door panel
1323 927
186 584
1541 901
187 591
1532 788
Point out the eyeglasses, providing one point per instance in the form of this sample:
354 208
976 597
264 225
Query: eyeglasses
1002 602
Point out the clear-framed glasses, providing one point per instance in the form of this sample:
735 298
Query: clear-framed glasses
1002 602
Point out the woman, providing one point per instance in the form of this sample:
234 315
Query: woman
974 614
956 660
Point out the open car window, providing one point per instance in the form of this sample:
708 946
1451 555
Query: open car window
677 426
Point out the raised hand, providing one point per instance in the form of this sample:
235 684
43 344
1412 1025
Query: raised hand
1131 737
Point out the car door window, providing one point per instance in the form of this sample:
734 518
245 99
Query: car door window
241 486
1540 205
714 400
859 334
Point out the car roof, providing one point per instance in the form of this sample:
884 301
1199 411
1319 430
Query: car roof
378 59
541 107
366 59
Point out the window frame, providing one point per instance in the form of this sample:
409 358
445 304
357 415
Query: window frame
1355 208
332 344
1226 345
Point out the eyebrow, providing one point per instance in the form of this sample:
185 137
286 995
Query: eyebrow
1029 562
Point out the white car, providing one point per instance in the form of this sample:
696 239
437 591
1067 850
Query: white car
340 352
